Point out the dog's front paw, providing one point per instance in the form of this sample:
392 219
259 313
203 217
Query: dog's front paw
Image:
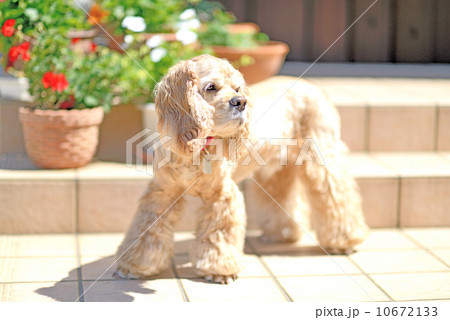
219 267
122 274
221 279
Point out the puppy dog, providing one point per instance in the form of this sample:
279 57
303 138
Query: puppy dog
206 98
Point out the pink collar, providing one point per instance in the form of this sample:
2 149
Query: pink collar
208 141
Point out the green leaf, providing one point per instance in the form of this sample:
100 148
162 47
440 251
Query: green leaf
119 12
32 14
91 101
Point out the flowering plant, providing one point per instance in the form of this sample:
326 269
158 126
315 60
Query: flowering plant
22 21
156 35
151 16
63 78
149 64
34 44
33 39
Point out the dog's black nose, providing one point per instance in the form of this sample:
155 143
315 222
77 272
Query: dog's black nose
238 102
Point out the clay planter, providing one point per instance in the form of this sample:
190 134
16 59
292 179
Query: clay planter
268 59
85 39
58 139
243 27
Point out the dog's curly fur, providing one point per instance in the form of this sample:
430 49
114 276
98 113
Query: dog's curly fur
188 108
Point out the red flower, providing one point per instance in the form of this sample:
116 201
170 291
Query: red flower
93 47
26 56
24 50
60 83
8 27
56 81
75 40
68 103
25 46
15 52
47 79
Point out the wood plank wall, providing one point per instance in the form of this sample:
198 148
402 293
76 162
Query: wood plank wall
391 30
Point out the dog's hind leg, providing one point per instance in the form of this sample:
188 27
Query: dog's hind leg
336 206
148 244
275 203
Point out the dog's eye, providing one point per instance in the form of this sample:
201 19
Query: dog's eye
211 87
237 89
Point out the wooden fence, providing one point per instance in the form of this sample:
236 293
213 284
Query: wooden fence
391 30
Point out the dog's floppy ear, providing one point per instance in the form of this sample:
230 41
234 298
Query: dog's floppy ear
245 132
182 112
246 129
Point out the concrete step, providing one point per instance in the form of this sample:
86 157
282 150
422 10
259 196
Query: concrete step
392 115
378 114
398 189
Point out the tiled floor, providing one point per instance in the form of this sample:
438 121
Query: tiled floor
393 264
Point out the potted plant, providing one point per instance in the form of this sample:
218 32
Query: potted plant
71 90
249 50
22 21
71 87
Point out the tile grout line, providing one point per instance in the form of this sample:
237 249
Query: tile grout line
79 272
149 279
36 257
180 284
77 239
77 194
418 300
274 278
431 253
367 114
39 281
246 277
399 201
11 271
436 128
357 274
3 292
370 278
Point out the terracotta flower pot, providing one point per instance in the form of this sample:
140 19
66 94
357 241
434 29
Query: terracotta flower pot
267 59
82 40
58 139
243 27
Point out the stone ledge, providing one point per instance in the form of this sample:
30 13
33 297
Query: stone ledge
406 190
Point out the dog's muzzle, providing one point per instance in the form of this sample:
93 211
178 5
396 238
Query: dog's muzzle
238 103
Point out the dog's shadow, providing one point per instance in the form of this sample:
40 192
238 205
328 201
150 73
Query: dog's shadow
255 245
99 284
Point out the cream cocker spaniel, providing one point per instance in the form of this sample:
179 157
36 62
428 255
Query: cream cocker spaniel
206 98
